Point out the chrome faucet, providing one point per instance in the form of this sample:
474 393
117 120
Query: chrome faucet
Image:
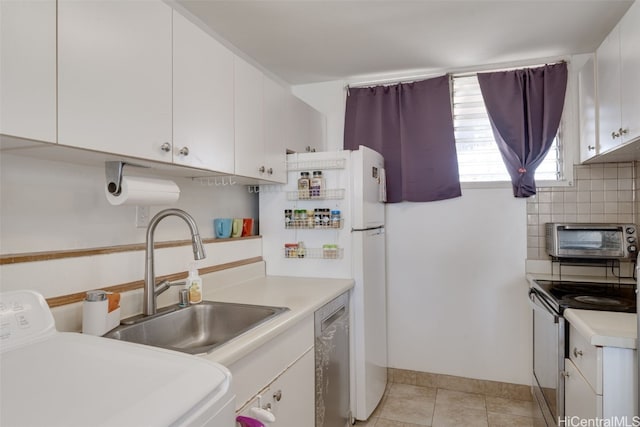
151 290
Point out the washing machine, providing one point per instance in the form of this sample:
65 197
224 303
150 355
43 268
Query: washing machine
51 378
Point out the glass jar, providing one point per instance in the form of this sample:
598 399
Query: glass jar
335 219
326 218
288 218
330 251
303 185
316 185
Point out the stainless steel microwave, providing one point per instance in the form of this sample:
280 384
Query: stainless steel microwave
613 241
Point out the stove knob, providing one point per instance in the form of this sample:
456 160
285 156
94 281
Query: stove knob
631 239
631 230
632 248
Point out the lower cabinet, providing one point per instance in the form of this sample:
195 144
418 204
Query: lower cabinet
290 397
600 382
580 399
279 377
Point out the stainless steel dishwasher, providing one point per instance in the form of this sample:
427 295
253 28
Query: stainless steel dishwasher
332 363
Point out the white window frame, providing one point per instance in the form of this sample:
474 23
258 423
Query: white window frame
566 149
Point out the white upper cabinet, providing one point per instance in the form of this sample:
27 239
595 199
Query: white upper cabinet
588 111
260 125
307 127
608 56
114 77
630 74
203 128
28 69
249 151
618 77
277 122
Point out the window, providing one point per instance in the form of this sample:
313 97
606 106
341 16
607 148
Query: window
479 159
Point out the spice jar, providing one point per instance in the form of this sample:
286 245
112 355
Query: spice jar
291 250
335 219
303 185
316 185
288 218
330 251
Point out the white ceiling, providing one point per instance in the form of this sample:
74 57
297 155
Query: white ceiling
305 41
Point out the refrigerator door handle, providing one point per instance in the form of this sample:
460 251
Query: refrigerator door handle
367 228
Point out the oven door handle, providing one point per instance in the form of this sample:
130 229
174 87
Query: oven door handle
539 304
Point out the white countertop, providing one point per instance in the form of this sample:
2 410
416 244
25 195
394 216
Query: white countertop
303 296
605 328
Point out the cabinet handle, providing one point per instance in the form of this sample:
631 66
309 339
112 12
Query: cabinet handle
623 131
262 169
591 147
184 151
576 352
615 135
270 171
166 147
277 395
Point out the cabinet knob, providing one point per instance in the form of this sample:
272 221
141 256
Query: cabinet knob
262 169
565 374
184 151
591 147
277 395
270 171
166 147
576 352
615 135
623 131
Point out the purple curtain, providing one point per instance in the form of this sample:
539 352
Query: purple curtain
525 107
411 125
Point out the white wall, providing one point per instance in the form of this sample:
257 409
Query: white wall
455 274
49 205
456 288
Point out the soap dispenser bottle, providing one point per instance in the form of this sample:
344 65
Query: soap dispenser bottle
194 285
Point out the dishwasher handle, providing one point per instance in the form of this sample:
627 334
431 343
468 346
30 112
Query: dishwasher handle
330 313
330 319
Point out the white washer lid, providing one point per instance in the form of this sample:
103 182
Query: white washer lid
71 379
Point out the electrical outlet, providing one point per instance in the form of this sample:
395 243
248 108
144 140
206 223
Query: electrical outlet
142 216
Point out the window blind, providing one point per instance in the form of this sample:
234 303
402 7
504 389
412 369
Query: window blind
479 159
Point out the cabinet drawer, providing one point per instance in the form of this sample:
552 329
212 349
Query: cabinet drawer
580 399
587 359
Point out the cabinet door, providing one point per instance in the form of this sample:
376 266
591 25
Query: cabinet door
630 73
588 111
114 76
28 69
580 399
276 124
295 389
202 99
308 127
608 76
249 134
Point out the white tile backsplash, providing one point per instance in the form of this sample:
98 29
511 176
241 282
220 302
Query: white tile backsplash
602 193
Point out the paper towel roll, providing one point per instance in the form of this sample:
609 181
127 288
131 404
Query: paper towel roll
144 192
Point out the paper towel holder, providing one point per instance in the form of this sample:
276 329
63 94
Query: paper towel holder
113 172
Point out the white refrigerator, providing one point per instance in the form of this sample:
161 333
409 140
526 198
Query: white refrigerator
352 247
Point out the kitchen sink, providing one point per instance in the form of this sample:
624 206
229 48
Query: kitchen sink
197 328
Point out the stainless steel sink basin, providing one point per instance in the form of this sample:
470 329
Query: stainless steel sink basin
197 328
